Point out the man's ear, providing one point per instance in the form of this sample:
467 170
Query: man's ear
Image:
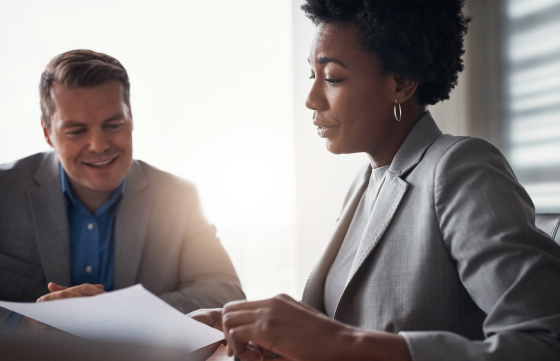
46 133
405 88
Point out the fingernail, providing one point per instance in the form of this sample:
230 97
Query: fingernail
40 299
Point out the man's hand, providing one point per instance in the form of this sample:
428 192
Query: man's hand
61 292
209 316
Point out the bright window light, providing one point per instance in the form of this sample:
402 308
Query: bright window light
211 93
521 8
544 195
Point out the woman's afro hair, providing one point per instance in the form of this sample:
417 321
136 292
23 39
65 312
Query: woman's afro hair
419 39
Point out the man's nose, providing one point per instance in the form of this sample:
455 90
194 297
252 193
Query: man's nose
316 99
98 142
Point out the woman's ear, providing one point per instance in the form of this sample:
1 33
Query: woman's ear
405 88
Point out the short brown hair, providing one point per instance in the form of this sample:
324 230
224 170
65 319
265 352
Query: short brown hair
80 68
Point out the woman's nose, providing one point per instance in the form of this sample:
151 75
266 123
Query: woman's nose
316 99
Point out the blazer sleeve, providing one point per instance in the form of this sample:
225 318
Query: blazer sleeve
509 267
4 315
207 276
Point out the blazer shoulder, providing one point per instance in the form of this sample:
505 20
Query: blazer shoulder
22 170
164 182
447 149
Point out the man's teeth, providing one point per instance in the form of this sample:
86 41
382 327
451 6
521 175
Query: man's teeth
99 164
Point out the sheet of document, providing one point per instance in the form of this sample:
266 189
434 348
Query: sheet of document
130 315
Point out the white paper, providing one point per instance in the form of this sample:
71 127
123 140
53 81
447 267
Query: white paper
131 315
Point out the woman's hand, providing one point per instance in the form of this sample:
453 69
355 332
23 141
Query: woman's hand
281 325
300 333
209 316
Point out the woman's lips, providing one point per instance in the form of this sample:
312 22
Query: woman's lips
325 129
325 132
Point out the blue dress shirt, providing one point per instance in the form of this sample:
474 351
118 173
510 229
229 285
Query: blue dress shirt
92 242
92 237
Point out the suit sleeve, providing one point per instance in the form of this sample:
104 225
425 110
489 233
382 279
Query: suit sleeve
4 315
207 276
509 267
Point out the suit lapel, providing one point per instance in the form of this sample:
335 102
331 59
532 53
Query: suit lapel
314 289
50 221
423 134
131 227
386 205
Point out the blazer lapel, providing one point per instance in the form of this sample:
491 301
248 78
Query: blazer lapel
131 227
314 289
386 205
423 134
50 221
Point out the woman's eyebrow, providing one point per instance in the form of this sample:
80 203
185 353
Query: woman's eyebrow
326 60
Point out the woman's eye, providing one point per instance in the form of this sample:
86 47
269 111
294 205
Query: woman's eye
312 76
332 81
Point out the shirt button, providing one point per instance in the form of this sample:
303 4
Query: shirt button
88 269
90 226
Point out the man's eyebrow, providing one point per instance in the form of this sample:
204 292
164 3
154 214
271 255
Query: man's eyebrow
114 117
71 123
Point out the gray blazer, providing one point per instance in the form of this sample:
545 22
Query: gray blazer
451 258
162 239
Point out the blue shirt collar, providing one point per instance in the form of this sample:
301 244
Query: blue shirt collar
114 199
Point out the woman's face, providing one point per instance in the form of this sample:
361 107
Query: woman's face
352 99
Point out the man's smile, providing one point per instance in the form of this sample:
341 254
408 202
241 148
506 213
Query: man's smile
99 164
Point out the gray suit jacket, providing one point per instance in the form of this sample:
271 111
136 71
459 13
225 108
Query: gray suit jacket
451 258
162 239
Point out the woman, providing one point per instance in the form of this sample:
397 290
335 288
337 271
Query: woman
436 255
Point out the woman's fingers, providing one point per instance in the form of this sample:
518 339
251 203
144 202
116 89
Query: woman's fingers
239 338
244 305
295 303
211 317
238 318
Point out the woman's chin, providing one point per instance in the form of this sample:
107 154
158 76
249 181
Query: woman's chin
334 147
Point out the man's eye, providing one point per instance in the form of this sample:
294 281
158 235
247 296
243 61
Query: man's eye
114 126
75 132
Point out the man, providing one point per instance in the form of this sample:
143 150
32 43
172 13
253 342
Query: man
87 218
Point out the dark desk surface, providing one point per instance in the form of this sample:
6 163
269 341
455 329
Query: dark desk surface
220 355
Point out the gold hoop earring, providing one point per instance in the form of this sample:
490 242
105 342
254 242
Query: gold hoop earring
399 117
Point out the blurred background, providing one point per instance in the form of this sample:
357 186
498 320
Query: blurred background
218 91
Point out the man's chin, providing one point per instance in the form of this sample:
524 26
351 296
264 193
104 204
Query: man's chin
101 185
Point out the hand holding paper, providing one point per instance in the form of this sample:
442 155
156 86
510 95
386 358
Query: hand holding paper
129 315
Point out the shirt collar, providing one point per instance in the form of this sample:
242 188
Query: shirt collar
67 190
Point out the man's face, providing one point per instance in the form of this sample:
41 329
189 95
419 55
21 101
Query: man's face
91 132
